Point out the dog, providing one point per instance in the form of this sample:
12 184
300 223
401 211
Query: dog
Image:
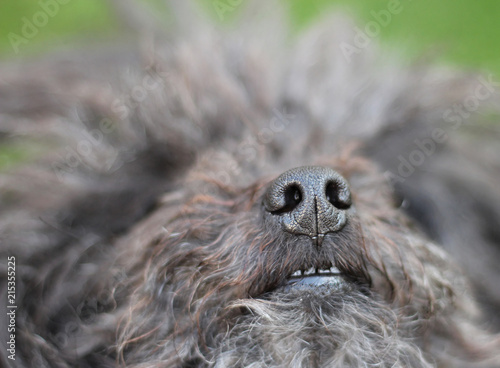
231 198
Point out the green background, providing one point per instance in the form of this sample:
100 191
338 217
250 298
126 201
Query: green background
461 33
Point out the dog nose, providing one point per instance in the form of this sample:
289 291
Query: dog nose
309 200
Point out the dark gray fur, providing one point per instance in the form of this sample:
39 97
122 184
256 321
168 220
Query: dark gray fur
153 248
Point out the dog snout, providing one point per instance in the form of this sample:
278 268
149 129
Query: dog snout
309 200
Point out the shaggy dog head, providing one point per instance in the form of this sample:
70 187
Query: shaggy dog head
239 201
238 276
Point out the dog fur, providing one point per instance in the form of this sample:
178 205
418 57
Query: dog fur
139 232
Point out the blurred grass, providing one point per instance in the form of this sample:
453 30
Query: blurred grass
461 33
12 153
75 20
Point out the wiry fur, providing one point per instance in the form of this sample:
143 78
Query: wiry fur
154 250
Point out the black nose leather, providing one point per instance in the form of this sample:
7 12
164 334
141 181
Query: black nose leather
309 200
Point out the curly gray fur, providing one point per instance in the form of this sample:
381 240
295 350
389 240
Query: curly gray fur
139 233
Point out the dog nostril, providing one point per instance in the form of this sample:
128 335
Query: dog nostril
292 196
332 193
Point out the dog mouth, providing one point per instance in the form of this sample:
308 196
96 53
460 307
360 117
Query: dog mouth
315 280
315 277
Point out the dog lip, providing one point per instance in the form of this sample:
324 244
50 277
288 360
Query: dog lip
335 280
311 278
315 277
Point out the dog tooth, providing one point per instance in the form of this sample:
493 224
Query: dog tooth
310 271
296 274
334 269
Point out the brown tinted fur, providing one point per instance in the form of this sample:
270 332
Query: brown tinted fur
152 248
